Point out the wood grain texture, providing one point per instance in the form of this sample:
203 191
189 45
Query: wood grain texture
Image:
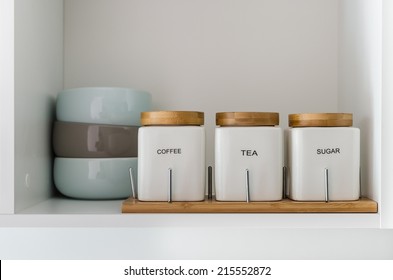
363 205
172 118
320 120
247 119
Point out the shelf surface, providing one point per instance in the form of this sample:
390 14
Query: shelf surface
363 205
63 212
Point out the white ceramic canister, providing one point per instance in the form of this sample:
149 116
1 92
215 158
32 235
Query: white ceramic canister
171 156
324 157
248 157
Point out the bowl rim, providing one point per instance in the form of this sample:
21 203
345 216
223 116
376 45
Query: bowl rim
97 159
69 123
104 89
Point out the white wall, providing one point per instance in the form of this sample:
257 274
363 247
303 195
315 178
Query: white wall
208 55
360 82
38 79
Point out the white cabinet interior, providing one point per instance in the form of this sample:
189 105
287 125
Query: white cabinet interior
285 56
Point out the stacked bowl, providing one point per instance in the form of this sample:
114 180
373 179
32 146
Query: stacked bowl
95 140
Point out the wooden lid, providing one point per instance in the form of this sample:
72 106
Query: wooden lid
247 119
172 118
321 120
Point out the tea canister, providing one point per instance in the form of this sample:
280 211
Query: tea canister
171 156
324 157
248 157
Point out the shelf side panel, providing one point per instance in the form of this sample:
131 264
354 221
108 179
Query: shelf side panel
38 78
6 106
387 115
359 82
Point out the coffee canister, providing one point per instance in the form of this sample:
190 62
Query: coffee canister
171 156
324 157
248 156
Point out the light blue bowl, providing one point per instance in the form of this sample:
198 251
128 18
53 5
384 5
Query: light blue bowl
98 178
101 105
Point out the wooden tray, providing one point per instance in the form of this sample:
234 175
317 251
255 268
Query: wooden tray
363 205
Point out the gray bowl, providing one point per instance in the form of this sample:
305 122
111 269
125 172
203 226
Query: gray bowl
83 140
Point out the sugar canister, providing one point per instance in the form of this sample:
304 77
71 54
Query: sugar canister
324 157
248 157
171 156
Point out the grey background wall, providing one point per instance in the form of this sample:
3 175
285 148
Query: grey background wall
206 55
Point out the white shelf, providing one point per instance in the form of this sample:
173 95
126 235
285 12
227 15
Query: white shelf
64 206
62 212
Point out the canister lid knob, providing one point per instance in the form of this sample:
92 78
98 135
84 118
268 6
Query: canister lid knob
320 120
172 118
247 119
